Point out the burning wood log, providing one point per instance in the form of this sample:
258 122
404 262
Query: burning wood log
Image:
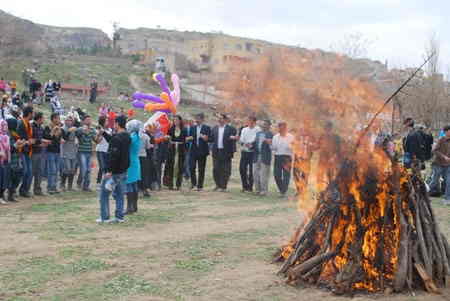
374 230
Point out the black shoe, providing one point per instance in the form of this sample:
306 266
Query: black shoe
11 198
39 193
25 195
87 190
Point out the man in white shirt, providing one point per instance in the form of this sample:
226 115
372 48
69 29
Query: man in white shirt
247 140
282 148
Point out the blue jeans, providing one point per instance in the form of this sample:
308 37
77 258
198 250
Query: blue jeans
132 187
118 194
27 174
85 169
53 163
437 173
44 165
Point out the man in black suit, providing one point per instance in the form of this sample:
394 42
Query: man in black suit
223 148
199 137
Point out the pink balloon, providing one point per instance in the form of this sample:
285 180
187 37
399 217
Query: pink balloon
176 92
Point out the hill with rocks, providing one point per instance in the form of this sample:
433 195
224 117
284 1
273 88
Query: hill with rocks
22 37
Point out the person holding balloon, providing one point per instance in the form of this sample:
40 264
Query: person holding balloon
173 171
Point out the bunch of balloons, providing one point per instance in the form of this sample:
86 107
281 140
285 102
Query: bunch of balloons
168 100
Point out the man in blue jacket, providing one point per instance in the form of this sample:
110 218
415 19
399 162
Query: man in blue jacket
262 158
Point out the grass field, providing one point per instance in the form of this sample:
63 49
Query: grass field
180 246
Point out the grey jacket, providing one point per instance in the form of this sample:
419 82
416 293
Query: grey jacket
69 149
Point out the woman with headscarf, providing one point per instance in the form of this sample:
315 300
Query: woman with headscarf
175 161
134 171
5 157
145 160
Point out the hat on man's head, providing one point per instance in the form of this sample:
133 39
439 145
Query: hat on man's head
200 116
408 121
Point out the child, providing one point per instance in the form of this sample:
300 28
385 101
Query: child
5 157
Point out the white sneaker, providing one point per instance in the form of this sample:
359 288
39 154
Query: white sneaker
3 202
100 221
118 220
446 202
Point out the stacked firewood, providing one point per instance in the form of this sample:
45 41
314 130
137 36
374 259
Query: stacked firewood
382 238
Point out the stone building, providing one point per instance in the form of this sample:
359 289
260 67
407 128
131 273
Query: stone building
191 51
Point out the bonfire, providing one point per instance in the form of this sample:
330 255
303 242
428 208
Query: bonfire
370 225
373 229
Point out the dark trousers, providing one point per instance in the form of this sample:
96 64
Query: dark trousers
174 170
246 170
282 172
37 164
222 169
27 174
92 96
146 176
200 161
102 159
159 162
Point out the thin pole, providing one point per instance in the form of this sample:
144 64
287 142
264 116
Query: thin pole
366 130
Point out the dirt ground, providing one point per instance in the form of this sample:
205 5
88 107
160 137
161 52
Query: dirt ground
180 246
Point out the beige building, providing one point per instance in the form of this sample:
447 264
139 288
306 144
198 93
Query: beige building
191 51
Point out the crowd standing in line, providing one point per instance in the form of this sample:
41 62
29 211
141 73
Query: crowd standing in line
132 158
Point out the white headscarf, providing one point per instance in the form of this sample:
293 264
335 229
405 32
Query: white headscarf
134 126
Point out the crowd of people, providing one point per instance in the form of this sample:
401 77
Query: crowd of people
134 159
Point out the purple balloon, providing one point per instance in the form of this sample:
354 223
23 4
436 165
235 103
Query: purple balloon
163 83
149 97
138 104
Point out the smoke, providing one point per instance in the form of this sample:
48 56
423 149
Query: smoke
324 104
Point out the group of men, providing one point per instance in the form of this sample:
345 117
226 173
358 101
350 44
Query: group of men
55 152
258 145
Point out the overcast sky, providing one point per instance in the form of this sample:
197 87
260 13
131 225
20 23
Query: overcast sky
398 29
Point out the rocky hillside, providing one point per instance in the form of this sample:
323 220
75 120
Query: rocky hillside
23 37
190 54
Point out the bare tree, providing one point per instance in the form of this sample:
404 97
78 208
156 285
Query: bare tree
354 45
432 48
426 98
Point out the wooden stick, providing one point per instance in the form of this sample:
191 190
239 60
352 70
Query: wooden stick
306 234
420 237
296 271
427 280
403 256
439 239
447 247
